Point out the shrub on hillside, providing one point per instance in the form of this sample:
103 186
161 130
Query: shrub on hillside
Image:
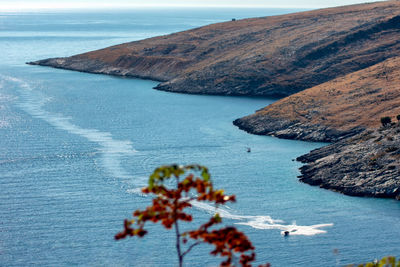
386 121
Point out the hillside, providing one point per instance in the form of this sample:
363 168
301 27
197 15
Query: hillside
334 109
269 56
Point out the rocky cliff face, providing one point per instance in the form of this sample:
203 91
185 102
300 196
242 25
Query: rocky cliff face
271 56
367 164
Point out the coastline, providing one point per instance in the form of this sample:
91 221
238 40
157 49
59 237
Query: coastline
267 56
365 165
236 58
53 174
293 129
321 165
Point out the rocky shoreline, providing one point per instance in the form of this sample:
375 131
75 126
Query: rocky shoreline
293 129
347 112
366 164
94 67
361 162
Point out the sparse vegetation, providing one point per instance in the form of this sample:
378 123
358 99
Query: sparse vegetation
378 156
386 121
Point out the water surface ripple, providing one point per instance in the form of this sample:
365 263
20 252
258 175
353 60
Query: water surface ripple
76 148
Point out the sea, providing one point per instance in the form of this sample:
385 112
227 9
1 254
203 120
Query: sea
76 148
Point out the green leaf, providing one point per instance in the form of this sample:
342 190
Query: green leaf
205 175
151 183
217 218
382 262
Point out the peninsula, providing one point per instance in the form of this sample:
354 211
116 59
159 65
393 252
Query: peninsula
269 56
337 71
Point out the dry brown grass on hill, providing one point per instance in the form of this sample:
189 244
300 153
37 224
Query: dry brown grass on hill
357 99
278 55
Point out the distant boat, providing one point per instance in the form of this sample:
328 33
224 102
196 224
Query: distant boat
248 150
285 233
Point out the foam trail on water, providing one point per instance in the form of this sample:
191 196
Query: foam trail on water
5 116
113 150
226 214
260 223
265 222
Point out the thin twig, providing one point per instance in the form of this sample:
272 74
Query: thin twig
190 248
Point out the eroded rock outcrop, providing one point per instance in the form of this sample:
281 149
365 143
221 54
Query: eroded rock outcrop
367 164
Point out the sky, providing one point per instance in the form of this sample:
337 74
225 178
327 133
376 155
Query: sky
15 5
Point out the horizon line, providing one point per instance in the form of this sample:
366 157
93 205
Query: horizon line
75 7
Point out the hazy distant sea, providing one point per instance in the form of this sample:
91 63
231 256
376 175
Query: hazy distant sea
75 148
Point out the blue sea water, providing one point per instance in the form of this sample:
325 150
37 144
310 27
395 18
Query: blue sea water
75 148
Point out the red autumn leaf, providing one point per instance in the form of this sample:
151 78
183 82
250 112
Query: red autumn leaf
168 206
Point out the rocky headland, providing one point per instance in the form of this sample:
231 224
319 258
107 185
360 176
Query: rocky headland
367 164
338 70
364 159
333 110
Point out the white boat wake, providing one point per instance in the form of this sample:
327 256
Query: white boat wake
111 151
265 222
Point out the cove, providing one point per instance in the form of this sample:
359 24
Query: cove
76 147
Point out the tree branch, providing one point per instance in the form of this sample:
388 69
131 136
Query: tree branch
190 248
178 244
178 234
